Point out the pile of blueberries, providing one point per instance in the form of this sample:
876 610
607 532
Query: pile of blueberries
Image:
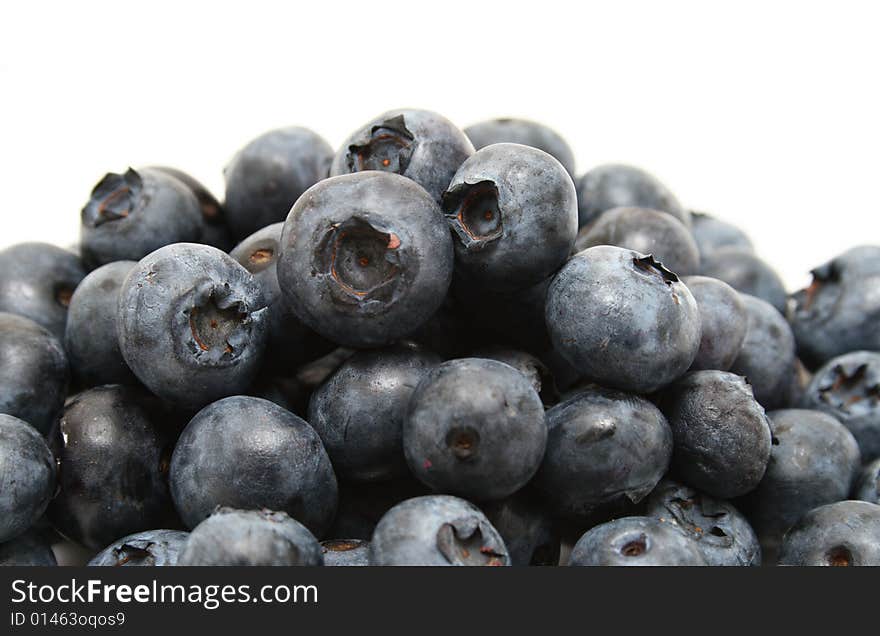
433 346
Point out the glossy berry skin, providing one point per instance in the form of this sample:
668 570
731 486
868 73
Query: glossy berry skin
249 453
848 387
266 177
27 476
746 273
636 541
605 449
149 548
712 234
417 144
513 214
37 281
113 445
365 258
346 552
616 186
232 537
813 461
290 343
29 549
723 534
359 410
215 231
767 356
528 531
839 534
721 434
474 428
647 231
436 530
622 319
525 132
34 372
191 324
724 320
91 338
840 311
132 214
868 485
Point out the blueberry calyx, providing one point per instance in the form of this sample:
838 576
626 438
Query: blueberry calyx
464 442
634 546
362 260
115 197
654 267
127 552
219 324
389 147
474 213
681 510
463 542
839 556
850 390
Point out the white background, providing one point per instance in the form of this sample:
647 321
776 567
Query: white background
765 114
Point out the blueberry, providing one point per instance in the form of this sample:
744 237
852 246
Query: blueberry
113 446
346 552
474 428
148 548
27 476
868 486
33 372
29 549
724 319
132 214
91 338
767 356
838 534
365 258
37 281
605 449
720 530
290 343
712 234
359 411
528 531
192 324
746 273
266 177
622 319
530 366
646 231
813 461
721 434
840 311
636 541
249 453
525 132
250 538
436 530
513 213
215 230
848 387
615 186
418 144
